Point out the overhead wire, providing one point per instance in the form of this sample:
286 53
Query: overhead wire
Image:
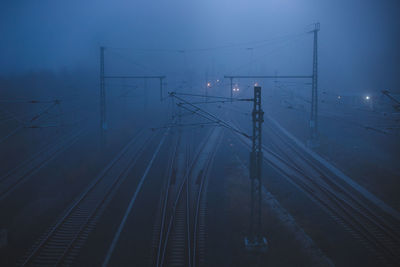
205 114
262 57
261 43
257 43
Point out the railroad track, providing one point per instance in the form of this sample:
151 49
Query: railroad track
364 221
61 243
360 219
25 170
180 231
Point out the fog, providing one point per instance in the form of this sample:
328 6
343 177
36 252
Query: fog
358 45
164 156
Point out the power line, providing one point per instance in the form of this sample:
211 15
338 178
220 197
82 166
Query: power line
205 114
262 43
217 97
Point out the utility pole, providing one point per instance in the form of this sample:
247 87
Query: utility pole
208 85
256 241
313 123
161 87
103 123
314 92
231 78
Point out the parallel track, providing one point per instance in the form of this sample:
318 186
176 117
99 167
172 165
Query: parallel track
182 233
363 220
62 242
359 218
15 177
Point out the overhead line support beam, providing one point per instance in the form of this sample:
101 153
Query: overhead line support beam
133 77
268 77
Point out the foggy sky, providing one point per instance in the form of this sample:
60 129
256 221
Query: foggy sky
359 39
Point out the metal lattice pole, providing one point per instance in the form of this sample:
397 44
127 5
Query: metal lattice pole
231 88
255 240
103 123
161 88
314 91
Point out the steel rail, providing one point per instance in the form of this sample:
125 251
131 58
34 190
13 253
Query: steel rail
75 205
199 198
356 210
350 211
29 171
177 199
166 198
